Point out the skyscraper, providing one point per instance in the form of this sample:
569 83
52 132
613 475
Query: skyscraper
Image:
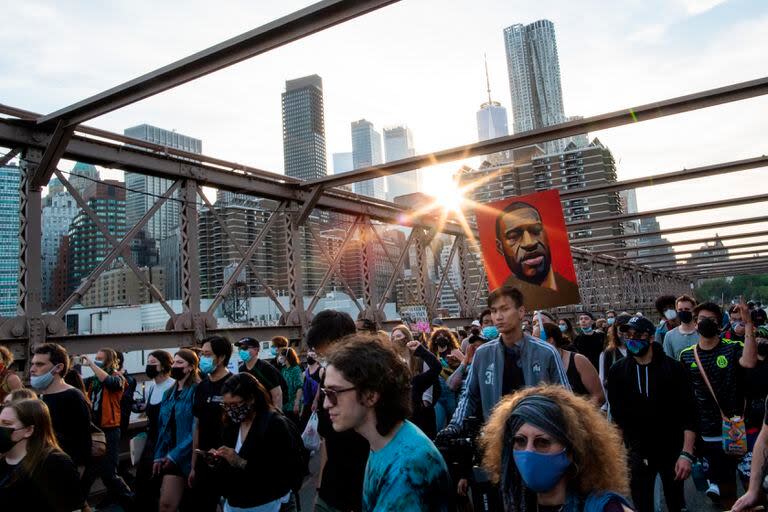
143 191
366 151
398 144
342 162
304 154
492 117
534 77
59 210
9 239
87 245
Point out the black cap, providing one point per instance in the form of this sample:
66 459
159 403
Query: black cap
640 324
248 343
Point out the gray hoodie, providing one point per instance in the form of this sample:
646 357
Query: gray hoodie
539 361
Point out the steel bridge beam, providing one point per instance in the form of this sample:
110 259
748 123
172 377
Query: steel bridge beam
690 241
669 177
670 256
694 267
129 159
711 205
705 257
594 243
630 115
302 23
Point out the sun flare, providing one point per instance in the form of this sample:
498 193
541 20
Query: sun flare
449 196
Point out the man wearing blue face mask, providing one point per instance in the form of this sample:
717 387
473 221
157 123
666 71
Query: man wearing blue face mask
248 350
652 401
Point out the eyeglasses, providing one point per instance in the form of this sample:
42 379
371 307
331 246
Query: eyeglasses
333 394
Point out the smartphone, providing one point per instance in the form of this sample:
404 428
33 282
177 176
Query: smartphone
209 458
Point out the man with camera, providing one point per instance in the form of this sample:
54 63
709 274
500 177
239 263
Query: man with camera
512 361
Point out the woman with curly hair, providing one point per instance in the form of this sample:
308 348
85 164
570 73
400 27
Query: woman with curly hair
445 345
551 450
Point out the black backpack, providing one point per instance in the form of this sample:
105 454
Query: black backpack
300 455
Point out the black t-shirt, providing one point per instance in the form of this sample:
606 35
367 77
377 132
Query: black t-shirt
756 389
55 486
344 471
726 375
513 378
590 346
264 373
209 413
71 418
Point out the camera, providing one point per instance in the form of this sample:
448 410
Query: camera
464 458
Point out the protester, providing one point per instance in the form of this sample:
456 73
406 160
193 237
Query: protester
35 474
68 409
735 329
601 325
684 335
756 390
20 394
9 381
566 327
128 401
157 370
264 372
610 317
756 491
509 363
258 463
343 454
366 325
277 345
425 385
551 450
719 365
173 453
652 403
582 376
589 342
445 346
366 390
215 352
615 348
290 369
105 390
310 388
665 306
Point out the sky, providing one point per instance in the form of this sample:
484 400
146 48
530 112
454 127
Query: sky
420 63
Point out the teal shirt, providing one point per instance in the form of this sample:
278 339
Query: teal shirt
407 475
292 376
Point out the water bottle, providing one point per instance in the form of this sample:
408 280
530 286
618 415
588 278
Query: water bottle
699 476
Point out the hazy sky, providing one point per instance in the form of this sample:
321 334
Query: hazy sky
418 62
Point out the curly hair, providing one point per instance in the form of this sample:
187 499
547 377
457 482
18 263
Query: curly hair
596 447
443 332
374 368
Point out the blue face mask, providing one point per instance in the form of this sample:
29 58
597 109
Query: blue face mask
206 364
563 328
41 381
99 363
541 471
586 330
611 321
490 332
637 347
245 356
273 351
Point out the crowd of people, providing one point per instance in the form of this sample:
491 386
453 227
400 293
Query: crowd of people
519 411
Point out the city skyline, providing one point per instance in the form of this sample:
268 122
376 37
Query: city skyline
608 62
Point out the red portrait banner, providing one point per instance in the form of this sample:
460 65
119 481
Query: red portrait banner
525 245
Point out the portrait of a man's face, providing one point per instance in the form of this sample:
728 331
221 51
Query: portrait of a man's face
525 244
522 239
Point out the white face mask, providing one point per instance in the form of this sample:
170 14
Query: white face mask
670 314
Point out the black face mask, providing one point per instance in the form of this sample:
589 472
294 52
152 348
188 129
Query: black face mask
762 348
151 371
177 373
685 316
6 442
707 328
311 360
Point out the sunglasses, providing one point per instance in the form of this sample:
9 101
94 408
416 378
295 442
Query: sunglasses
333 394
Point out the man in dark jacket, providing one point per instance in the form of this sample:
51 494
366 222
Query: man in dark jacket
652 402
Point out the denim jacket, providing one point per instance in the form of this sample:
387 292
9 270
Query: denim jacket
181 453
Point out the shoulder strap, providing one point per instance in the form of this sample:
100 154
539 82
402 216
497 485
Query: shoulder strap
706 379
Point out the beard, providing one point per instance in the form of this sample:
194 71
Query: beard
541 270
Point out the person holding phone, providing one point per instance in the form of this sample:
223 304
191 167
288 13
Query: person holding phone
445 345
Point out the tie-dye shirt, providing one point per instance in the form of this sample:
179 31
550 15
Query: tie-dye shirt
407 475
